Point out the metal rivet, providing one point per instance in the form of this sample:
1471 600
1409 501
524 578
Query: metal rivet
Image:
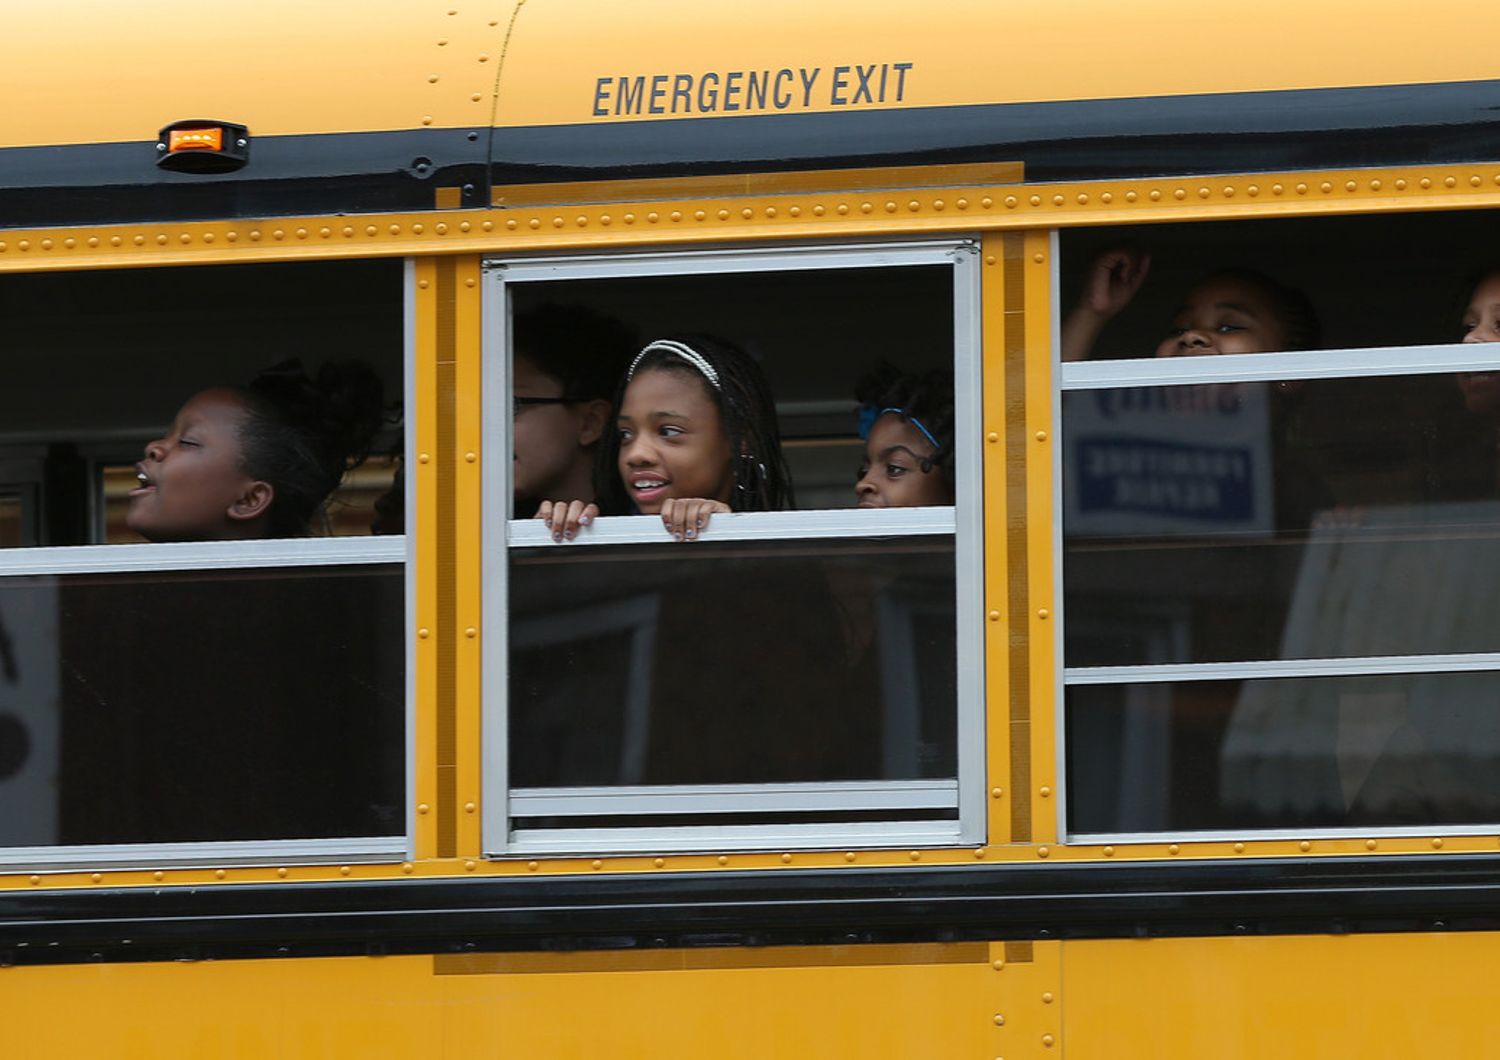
1047 997
795 211
1155 195
422 807
1043 613
999 1020
139 241
158 875
699 215
786 859
1042 852
407 867
747 213
914 206
423 284
1304 846
604 219
980 852
35 880
1400 183
962 204
818 210
1011 202
996 793
281 873
915 855
70 243
47 243
1325 187
998 964
849 856
1045 792
723 860
161 241
1035 200
1106 198
1449 182
1301 189
427 119
993 436
470 807
393 229
1437 844
471 457
1253 190
219 874
596 864
536 222
1109 852
1370 844
532 866
471 632
343 870
1239 848
96 877
1047 1040
475 98
423 458
470 866
1350 185
653 217
115 241
989 259
432 79
1038 258
676 215
1131 196
770 211
511 224
1204 193
1082 198
938 204
1475 181
843 207
557 222
1228 192
659 862
890 207
231 237
986 202
488 226
370 230
1174 849
994 616
1041 436
1179 194
866 207
463 226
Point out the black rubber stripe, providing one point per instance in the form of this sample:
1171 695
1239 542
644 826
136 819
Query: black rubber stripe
783 907
1074 140
322 174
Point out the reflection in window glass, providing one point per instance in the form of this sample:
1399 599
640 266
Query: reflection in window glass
202 706
1388 750
1249 521
780 661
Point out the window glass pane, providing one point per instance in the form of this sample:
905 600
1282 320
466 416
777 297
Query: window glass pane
1324 518
202 706
732 663
1414 749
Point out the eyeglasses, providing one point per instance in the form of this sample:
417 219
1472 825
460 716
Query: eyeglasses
517 402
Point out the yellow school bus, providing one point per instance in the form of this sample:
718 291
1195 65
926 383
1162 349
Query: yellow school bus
1173 736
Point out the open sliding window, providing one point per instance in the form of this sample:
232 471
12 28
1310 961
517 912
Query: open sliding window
809 677
221 701
1281 563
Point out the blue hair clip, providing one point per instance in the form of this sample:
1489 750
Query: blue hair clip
868 414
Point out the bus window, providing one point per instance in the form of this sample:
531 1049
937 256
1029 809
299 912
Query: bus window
793 676
207 698
1275 568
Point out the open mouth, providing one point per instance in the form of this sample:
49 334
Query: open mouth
144 483
648 487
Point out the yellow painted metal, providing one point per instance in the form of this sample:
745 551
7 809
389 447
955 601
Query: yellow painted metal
1040 440
469 457
853 1002
1376 997
283 67
1027 1005
421 419
995 451
888 212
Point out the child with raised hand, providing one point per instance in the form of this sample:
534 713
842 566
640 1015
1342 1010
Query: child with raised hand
695 433
907 424
259 460
1230 311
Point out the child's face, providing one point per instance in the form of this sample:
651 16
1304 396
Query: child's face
891 475
1224 315
554 442
1481 390
190 479
672 441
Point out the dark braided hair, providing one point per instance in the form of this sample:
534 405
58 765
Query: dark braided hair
1294 310
301 434
762 482
927 397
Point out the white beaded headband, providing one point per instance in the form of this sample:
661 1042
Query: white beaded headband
679 349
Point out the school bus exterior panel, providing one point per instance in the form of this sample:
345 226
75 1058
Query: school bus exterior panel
457 133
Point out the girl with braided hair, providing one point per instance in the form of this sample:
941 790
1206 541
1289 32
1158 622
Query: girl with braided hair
695 433
258 460
907 424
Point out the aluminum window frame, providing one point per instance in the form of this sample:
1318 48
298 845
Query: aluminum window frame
499 836
258 554
1339 363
